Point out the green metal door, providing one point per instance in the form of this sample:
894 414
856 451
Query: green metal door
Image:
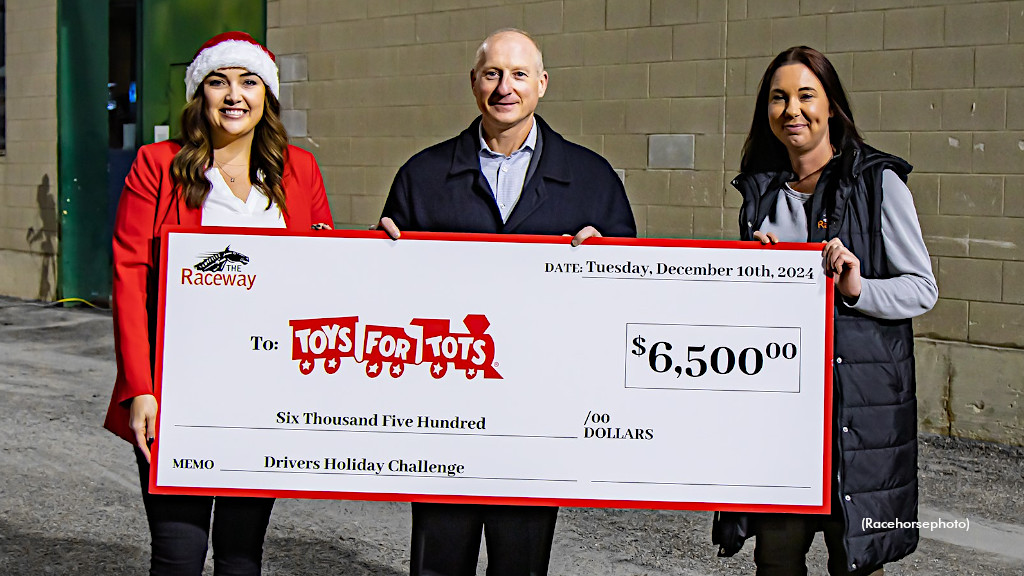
169 33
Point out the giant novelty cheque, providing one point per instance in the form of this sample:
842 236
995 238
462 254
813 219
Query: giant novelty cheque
494 369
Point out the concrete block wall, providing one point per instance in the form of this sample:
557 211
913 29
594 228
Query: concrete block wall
28 170
664 89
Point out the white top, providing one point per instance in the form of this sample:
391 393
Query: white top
223 208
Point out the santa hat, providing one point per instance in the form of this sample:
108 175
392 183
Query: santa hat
231 50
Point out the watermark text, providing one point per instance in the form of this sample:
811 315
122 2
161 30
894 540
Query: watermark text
929 525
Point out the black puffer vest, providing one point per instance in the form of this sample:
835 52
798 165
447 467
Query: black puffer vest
874 431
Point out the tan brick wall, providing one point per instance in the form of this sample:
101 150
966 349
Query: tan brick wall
939 83
28 171
971 391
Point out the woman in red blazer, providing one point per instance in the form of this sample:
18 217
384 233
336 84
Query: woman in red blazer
232 167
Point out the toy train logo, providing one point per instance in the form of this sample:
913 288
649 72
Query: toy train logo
423 341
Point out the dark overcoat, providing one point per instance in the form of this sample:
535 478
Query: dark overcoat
874 428
442 189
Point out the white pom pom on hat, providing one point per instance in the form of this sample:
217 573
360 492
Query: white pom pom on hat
231 50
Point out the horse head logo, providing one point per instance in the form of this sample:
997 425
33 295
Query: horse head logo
216 261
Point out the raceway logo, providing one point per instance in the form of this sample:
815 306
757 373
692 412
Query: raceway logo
423 341
222 268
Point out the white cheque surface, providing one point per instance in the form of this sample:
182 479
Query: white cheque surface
606 375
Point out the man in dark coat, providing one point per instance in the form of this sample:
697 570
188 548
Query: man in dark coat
508 173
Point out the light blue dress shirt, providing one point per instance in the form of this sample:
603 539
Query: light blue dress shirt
507 174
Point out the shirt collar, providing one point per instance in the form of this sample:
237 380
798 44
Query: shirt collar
530 143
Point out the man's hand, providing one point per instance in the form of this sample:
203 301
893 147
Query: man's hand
142 420
388 225
582 235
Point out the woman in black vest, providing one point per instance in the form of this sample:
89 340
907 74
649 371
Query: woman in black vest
807 176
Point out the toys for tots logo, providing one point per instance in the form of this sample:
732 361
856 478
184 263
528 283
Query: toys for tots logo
422 341
222 268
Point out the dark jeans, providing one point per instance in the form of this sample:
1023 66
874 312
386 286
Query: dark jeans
446 539
782 542
180 528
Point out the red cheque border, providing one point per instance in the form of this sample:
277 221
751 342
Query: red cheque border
824 508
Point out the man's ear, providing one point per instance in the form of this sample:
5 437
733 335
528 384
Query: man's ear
472 77
543 84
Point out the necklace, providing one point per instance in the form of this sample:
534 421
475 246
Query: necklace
820 168
226 173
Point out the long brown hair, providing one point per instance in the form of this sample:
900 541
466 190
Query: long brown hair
269 147
762 151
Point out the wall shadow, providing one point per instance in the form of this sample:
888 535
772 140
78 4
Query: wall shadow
46 237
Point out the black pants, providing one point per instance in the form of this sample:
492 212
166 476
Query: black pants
180 528
782 542
446 539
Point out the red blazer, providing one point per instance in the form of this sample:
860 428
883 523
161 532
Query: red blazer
148 204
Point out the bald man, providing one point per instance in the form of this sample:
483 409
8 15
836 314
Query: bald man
508 173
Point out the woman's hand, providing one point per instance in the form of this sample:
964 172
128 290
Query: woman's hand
142 421
838 260
388 225
766 237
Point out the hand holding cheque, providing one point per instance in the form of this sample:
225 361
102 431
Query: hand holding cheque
388 225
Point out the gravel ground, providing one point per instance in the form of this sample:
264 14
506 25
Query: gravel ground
69 495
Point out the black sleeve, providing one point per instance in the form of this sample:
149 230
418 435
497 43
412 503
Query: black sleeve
617 219
397 205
